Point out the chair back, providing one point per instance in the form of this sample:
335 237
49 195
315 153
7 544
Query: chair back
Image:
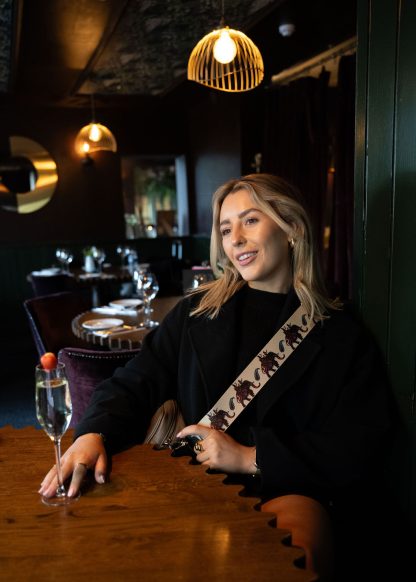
47 285
86 369
50 318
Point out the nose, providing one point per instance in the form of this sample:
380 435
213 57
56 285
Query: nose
237 238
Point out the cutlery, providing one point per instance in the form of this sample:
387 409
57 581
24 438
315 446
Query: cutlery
118 329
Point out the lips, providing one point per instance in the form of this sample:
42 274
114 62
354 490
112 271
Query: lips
246 258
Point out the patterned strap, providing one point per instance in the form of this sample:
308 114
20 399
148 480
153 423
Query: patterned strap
253 378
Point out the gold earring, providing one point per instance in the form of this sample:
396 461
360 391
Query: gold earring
292 242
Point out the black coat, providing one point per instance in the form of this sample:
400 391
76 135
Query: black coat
319 422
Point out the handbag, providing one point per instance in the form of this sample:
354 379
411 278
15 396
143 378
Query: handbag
168 420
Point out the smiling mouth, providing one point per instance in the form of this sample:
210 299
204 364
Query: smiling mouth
246 258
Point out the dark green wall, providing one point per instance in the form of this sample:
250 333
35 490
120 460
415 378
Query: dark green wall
385 215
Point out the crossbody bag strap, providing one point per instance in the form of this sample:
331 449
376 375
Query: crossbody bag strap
256 375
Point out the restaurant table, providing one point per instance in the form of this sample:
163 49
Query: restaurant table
158 518
126 339
53 280
99 282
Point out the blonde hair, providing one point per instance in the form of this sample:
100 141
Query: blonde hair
283 204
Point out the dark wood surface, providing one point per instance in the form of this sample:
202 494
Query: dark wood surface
129 339
158 518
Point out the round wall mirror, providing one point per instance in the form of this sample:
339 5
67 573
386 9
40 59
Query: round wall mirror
28 177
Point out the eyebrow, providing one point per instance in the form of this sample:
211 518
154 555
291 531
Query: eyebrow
241 215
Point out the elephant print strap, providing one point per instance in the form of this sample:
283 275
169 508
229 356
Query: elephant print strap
254 377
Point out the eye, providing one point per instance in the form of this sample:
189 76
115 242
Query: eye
225 231
252 220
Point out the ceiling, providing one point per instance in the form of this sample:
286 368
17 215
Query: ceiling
60 51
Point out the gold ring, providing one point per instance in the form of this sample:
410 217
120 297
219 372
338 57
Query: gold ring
198 448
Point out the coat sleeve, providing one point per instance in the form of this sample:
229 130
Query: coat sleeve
122 406
334 450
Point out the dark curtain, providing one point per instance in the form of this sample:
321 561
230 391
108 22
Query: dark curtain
309 141
339 265
296 145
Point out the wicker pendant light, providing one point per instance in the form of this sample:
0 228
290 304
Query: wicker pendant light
94 137
227 60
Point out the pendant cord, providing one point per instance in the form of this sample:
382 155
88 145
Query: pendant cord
92 107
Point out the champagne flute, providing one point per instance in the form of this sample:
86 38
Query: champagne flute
147 289
54 411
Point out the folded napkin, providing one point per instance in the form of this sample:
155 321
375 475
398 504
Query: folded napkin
89 276
47 272
107 310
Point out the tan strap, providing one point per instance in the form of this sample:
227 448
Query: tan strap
254 377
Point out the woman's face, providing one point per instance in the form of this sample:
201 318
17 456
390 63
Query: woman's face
255 244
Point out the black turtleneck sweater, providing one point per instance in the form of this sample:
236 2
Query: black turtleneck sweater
258 322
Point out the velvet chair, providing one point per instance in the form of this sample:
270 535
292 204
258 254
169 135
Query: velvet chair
86 369
50 318
42 285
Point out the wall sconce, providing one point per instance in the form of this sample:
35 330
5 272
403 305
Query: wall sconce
227 60
94 137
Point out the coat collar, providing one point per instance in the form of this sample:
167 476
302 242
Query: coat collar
214 341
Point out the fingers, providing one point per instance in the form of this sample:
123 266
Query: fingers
78 475
50 482
101 469
200 429
86 452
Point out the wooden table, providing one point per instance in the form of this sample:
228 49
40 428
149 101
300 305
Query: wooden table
158 519
127 339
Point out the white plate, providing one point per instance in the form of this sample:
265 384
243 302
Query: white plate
105 323
125 303
47 272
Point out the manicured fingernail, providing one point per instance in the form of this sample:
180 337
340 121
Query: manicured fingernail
179 435
70 492
101 478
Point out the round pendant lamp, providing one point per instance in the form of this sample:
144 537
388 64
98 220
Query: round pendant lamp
227 60
94 137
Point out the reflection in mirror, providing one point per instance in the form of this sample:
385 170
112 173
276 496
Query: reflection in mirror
155 196
28 177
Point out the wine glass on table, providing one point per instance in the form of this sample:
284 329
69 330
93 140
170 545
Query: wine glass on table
69 257
124 254
54 411
99 256
61 255
147 289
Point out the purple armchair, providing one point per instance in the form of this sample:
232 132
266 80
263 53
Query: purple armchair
86 369
50 318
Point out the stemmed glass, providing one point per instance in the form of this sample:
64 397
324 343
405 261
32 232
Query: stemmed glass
68 260
54 411
99 256
147 289
65 257
124 253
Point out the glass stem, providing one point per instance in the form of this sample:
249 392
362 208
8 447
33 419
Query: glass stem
60 490
146 312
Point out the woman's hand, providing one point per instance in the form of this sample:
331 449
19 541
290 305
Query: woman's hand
87 452
220 451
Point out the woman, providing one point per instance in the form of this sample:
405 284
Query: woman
305 442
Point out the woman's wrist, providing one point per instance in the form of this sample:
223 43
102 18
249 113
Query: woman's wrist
254 468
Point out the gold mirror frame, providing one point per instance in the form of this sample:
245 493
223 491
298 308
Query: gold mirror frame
47 177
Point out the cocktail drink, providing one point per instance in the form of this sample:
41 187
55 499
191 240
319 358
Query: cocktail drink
54 411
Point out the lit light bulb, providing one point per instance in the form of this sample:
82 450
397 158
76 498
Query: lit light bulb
95 133
225 48
85 147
